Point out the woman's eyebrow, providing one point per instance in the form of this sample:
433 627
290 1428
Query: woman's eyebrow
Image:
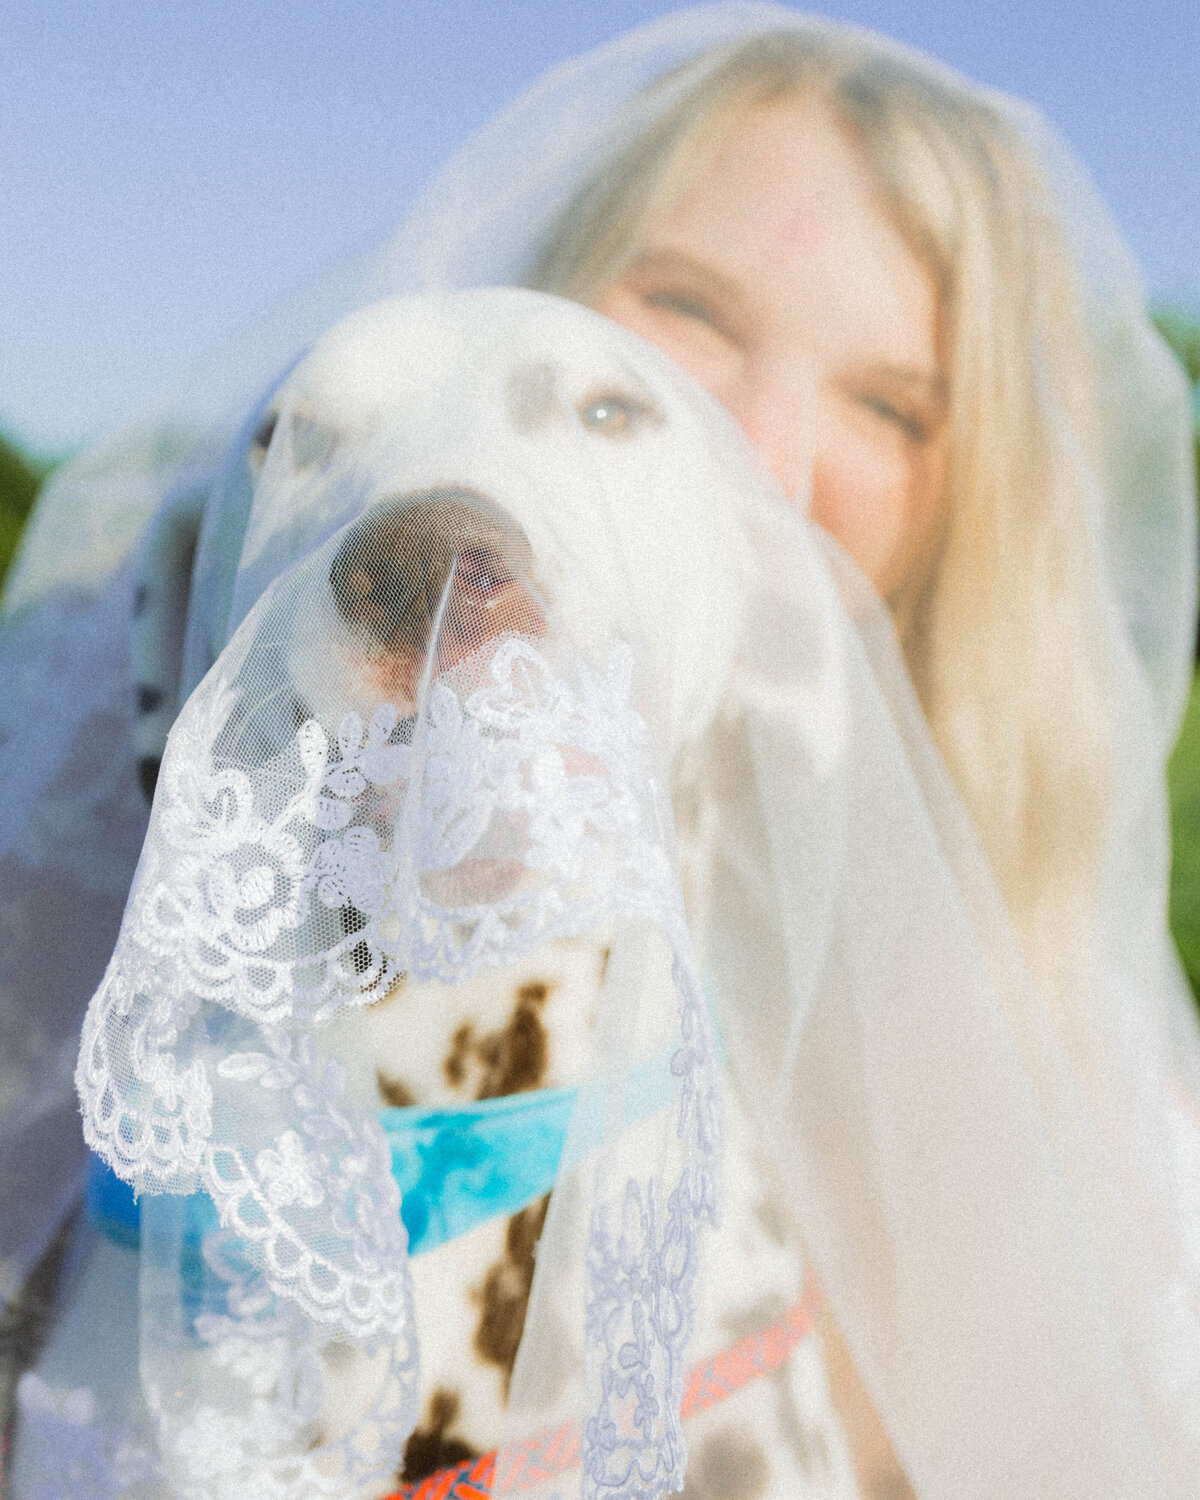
678 263
917 380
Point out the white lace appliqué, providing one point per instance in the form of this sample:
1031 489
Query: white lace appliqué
642 1264
276 891
69 1453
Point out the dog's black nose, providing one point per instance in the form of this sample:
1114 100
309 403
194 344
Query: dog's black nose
390 573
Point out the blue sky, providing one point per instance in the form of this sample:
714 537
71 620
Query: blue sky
169 168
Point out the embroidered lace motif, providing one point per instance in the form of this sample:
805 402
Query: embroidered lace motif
47 1412
542 1458
70 1454
274 892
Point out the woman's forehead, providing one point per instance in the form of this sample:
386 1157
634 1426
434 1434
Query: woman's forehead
787 221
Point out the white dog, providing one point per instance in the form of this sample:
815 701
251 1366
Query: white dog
541 379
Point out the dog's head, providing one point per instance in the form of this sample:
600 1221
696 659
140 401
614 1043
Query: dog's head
514 460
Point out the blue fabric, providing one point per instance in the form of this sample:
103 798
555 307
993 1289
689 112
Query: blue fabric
455 1169
458 1167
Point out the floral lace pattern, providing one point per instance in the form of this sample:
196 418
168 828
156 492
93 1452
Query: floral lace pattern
70 1453
641 1271
334 1171
274 892
270 1441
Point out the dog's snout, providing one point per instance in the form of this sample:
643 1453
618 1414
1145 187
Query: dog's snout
447 549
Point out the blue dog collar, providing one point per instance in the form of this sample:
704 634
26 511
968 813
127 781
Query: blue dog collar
458 1167
455 1168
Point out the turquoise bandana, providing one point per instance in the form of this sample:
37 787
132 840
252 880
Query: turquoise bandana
455 1167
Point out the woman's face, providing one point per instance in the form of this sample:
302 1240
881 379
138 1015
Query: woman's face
779 283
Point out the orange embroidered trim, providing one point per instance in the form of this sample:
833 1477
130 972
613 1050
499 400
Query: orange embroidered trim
541 1458
469 1481
752 1357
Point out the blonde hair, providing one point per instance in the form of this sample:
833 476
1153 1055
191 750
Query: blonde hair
1000 638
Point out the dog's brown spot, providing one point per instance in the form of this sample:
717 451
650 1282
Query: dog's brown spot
360 582
772 1220
431 1446
605 955
727 1466
455 1065
515 1059
508 1061
504 1297
394 1091
262 440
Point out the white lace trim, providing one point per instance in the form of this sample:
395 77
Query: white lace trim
282 892
69 1453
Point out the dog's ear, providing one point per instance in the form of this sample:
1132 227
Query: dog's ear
159 618
256 453
310 436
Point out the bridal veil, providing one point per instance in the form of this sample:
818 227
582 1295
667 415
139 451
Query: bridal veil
1006 1224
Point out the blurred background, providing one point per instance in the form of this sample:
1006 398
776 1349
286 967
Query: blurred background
169 169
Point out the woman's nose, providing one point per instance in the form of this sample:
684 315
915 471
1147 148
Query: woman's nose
776 407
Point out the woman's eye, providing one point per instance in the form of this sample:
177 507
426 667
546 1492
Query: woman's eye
686 306
614 415
909 423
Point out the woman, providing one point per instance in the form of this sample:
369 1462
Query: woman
870 263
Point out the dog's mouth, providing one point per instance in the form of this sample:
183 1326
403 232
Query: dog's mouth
445 559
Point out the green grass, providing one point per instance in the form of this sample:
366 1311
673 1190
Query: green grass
1183 781
1182 333
20 479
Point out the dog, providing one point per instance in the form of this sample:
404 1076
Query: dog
455 552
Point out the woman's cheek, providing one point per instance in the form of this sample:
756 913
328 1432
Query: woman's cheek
861 496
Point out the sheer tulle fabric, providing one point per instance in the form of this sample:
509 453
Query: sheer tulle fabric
420 756
1005 1224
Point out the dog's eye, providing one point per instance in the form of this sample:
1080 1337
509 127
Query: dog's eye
262 441
614 414
480 574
